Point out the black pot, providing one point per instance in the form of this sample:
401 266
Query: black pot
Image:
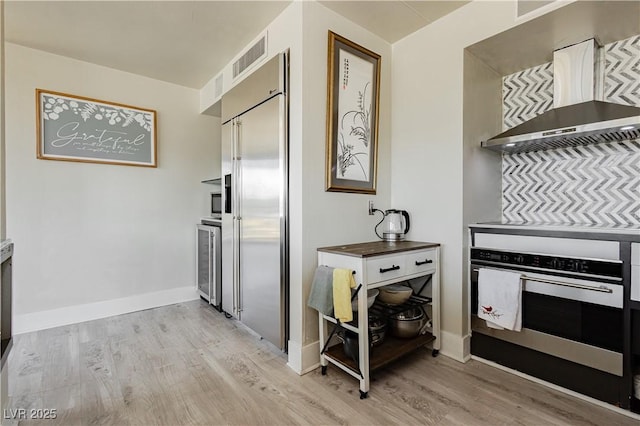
350 345
377 327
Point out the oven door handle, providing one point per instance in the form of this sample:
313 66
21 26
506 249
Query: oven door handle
601 288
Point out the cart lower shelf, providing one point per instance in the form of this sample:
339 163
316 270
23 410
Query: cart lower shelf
379 356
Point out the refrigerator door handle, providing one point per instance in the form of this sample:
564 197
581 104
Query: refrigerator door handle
238 170
238 216
210 262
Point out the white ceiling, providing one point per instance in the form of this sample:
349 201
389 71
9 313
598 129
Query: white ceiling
533 42
184 42
393 20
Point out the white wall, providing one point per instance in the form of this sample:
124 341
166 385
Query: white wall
331 218
88 233
427 162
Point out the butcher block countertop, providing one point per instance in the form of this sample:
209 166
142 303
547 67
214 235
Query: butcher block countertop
377 248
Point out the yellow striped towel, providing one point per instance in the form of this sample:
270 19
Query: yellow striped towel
343 282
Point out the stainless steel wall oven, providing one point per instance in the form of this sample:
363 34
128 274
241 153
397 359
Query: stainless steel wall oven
573 321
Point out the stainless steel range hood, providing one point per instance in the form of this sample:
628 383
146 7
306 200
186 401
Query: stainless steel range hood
578 117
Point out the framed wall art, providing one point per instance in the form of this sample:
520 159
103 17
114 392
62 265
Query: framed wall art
353 85
74 128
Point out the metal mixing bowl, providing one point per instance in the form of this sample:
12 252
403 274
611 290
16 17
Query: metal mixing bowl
408 324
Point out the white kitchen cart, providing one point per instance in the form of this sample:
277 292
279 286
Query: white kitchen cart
377 264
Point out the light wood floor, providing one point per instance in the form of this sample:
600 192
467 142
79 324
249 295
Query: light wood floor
188 364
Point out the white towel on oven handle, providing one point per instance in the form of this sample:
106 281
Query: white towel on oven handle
500 298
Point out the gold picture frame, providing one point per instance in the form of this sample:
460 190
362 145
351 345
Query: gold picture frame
353 92
75 128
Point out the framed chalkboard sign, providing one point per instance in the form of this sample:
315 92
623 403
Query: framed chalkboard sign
74 128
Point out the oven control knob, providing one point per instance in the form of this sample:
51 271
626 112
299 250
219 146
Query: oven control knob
519 259
580 266
557 263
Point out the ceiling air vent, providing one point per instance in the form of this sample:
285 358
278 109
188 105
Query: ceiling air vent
250 57
217 89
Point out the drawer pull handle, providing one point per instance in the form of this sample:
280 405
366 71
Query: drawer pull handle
393 268
426 261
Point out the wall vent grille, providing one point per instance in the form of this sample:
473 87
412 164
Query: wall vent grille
250 57
218 86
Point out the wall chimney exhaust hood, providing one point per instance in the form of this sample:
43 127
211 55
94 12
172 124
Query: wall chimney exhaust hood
578 116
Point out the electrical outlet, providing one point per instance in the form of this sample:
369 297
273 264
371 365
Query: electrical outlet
370 207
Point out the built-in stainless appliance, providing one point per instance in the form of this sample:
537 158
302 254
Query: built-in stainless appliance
6 255
573 321
579 115
216 204
635 273
394 224
254 221
209 261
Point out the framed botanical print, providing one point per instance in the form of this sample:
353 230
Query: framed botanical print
353 86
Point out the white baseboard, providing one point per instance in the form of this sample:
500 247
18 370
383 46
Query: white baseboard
466 352
79 313
304 359
294 353
558 388
310 357
455 346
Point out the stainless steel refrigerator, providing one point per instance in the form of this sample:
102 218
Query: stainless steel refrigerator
254 220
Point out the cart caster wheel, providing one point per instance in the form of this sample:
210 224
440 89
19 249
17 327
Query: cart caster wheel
435 353
364 395
324 370
227 316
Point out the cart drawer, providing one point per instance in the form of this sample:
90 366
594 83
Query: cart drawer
385 268
421 261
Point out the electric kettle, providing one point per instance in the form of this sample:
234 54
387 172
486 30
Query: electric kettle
395 224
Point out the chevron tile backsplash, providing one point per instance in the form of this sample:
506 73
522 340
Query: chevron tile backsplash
526 94
622 71
589 184
592 184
